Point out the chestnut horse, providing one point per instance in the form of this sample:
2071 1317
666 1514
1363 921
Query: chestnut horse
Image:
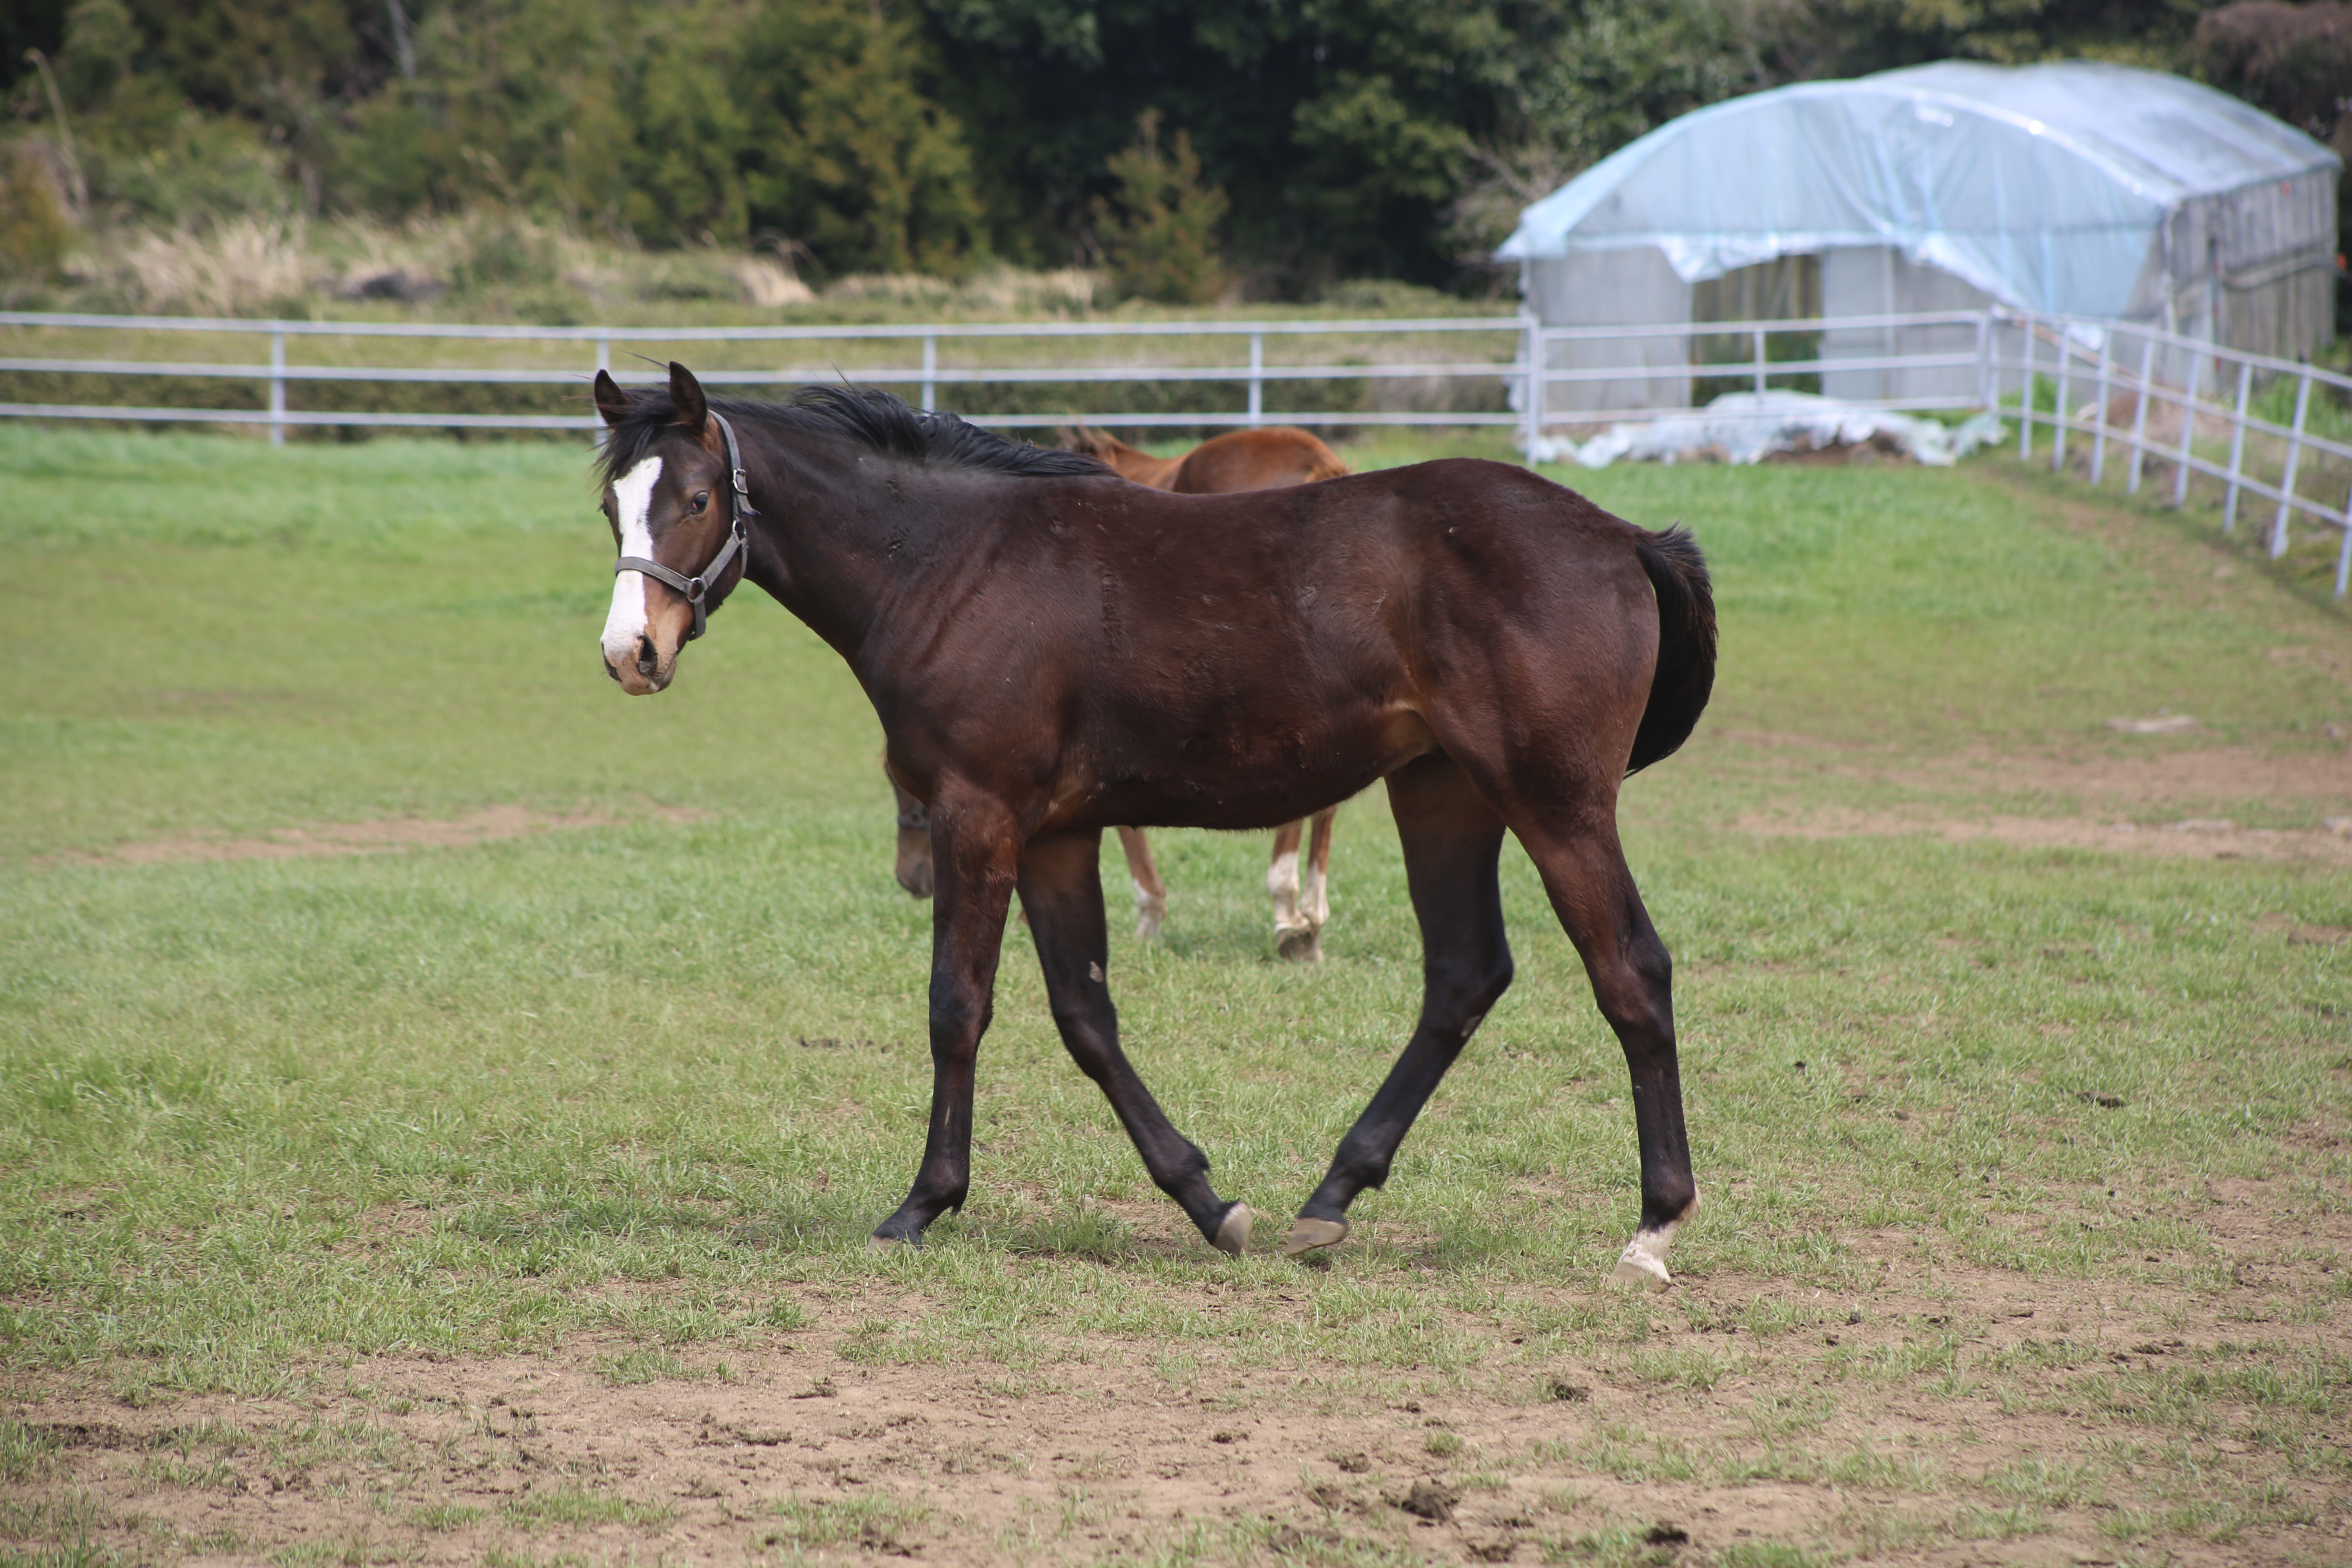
1223 465
1053 651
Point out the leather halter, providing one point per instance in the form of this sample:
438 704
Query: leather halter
738 539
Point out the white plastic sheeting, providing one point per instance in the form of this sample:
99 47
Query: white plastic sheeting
1748 427
2048 187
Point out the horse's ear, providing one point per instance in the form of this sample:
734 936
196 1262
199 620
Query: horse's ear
611 401
686 400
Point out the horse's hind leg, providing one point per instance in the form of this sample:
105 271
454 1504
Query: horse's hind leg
1294 936
1452 839
1592 892
1315 876
1061 887
1150 892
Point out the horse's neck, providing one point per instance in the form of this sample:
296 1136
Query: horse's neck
827 516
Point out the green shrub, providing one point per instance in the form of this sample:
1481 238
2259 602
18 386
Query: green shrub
1159 235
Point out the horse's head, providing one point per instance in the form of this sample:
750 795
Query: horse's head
669 495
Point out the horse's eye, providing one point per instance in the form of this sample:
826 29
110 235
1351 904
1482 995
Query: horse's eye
701 500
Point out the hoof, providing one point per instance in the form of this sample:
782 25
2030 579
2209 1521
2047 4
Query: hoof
1300 946
1307 1234
1232 1235
878 1243
1642 1264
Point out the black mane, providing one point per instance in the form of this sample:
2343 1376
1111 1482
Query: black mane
867 414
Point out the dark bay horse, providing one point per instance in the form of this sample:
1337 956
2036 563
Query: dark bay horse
1230 464
1052 650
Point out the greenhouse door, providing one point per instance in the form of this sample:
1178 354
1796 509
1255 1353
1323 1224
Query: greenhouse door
1876 280
1787 288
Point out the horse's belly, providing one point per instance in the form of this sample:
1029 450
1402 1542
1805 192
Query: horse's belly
1225 777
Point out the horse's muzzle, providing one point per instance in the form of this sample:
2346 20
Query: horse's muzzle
641 671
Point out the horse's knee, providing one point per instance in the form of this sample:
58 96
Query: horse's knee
958 1016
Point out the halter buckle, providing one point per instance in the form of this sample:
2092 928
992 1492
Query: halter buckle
742 485
695 588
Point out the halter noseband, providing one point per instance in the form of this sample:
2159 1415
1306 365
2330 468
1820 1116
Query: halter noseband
738 539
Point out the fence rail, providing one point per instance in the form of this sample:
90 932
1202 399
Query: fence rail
2012 358
928 377
1533 344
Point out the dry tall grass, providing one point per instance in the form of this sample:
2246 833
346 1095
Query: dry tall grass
1000 289
240 266
492 261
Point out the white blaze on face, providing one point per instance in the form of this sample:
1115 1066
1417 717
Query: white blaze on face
632 501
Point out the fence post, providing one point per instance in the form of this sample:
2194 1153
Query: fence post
2188 430
2140 414
2293 457
930 371
2237 446
2344 551
604 354
2025 388
2099 436
277 387
1759 359
1257 380
1535 398
1984 360
2058 429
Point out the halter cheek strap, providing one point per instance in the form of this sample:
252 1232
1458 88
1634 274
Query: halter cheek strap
738 540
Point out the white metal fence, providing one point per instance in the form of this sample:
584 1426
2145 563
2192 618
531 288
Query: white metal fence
2114 380
2153 396
929 376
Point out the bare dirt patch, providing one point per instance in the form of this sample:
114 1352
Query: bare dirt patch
386 836
2191 838
2174 774
1940 1413
2169 773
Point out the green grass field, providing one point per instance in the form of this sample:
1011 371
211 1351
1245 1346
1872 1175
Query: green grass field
303 1157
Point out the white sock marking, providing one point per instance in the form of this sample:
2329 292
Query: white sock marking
1282 881
633 500
1314 898
1643 1261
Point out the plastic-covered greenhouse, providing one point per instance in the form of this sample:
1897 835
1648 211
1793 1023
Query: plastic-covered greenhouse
2087 189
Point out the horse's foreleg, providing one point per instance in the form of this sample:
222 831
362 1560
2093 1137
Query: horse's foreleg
975 855
1061 887
1150 892
1452 842
1592 892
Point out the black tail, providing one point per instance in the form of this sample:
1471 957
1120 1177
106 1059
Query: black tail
1686 673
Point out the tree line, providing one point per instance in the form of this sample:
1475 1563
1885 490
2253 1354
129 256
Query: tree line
1192 145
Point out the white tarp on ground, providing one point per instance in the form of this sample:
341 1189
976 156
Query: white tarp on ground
2045 186
1748 427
